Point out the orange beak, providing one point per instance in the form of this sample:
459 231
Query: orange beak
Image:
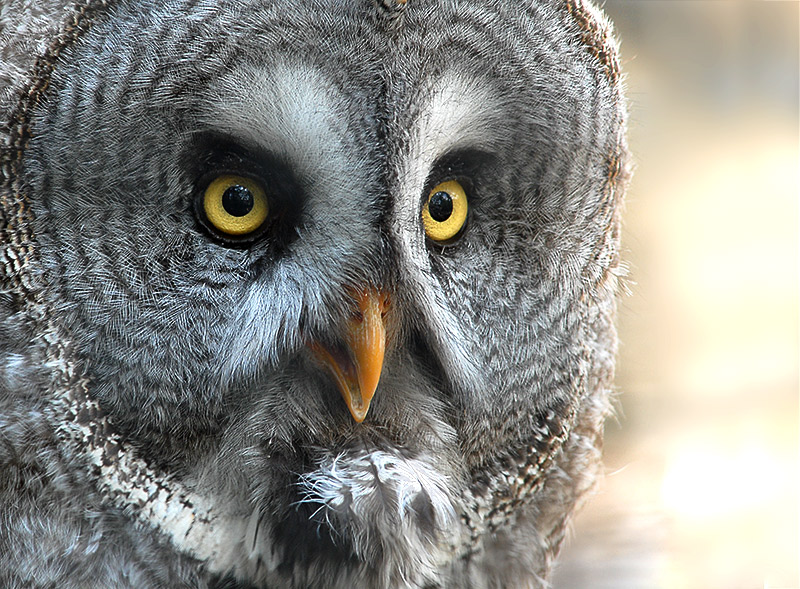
358 371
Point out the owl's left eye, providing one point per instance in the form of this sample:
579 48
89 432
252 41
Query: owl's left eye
235 206
444 214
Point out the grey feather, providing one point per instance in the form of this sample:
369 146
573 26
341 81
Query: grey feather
165 420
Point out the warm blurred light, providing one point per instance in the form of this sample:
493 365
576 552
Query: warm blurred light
705 482
704 493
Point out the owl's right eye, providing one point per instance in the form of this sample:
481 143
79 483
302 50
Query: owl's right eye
235 206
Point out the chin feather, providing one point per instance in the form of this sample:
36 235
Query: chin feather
395 512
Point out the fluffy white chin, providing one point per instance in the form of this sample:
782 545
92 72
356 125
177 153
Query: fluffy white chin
394 512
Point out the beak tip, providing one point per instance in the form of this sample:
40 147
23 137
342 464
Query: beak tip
358 403
358 416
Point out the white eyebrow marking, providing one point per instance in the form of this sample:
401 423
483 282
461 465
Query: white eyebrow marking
290 109
461 113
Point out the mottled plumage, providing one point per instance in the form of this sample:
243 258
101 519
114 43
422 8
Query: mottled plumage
171 414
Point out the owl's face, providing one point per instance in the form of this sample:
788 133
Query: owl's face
328 265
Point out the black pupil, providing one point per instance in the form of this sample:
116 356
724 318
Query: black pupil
440 206
237 200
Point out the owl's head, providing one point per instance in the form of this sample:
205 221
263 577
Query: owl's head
345 271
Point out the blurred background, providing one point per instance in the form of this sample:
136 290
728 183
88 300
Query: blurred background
702 463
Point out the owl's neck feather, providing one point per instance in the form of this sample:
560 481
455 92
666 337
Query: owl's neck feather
225 542
191 521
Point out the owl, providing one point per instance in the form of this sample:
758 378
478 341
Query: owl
310 294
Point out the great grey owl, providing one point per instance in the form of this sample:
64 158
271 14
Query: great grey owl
303 294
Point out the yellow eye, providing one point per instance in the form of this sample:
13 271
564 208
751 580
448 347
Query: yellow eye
445 211
235 205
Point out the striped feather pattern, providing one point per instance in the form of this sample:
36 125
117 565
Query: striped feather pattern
155 385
